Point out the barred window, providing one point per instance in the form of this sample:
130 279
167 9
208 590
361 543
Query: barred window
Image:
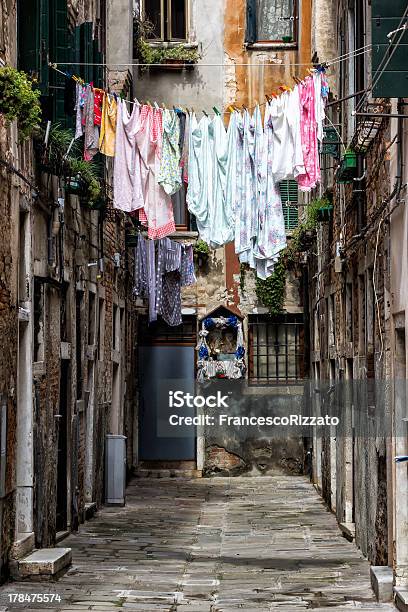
276 349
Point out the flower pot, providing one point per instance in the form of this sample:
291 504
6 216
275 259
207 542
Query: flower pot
349 160
173 64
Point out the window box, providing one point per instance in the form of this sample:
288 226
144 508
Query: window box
348 168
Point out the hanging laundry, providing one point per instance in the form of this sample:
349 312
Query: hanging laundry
81 93
185 149
108 126
127 181
141 277
168 286
199 192
157 205
246 219
221 229
188 276
308 128
288 155
91 143
98 100
321 93
271 234
170 172
151 269
232 176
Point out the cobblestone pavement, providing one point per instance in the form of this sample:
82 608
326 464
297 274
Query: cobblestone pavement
211 546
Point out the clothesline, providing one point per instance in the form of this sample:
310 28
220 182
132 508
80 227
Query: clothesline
344 57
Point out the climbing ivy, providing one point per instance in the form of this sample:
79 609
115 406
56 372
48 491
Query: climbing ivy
271 291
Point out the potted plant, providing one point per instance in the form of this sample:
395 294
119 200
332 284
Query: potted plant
287 39
18 100
201 252
348 167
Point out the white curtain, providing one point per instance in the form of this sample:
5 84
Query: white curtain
275 19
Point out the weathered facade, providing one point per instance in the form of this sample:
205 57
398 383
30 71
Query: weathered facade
67 314
357 307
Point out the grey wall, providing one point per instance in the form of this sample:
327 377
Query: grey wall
203 86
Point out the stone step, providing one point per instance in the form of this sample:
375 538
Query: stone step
44 564
401 598
166 473
382 582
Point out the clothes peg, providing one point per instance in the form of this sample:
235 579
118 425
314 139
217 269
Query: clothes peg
231 109
216 111
268 99
156 106
205 113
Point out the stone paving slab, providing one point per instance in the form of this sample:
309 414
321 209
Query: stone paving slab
211 545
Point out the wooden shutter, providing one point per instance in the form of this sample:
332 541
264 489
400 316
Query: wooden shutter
289 196
33 39
251 33
386 17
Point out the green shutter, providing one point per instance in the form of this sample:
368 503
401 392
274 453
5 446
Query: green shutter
61 49
289 196
386 17
33 39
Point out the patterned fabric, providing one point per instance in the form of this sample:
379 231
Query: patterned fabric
246 210
79 108
170 173
188 276
168 286
271 234
108 126
141 281
158 206
91 144
151 270
98 100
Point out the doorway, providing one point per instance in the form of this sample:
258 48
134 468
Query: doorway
167 359
62 474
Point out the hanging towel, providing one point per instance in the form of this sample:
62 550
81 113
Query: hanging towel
108 126
158 207
127 182
188 276
308 128
288 154
91 130
185 149
168 287
170 172
99 95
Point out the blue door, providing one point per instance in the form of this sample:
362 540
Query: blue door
165 367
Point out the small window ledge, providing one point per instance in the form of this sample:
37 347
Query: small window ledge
271 46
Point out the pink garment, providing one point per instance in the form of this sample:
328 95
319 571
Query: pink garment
127 180
157 211
308 129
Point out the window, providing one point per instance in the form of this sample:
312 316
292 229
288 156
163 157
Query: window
276 349
181 214
169 19
38 320
271 21
289 196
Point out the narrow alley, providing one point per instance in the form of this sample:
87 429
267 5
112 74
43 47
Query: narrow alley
211 545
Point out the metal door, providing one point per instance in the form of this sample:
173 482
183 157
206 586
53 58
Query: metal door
161 366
